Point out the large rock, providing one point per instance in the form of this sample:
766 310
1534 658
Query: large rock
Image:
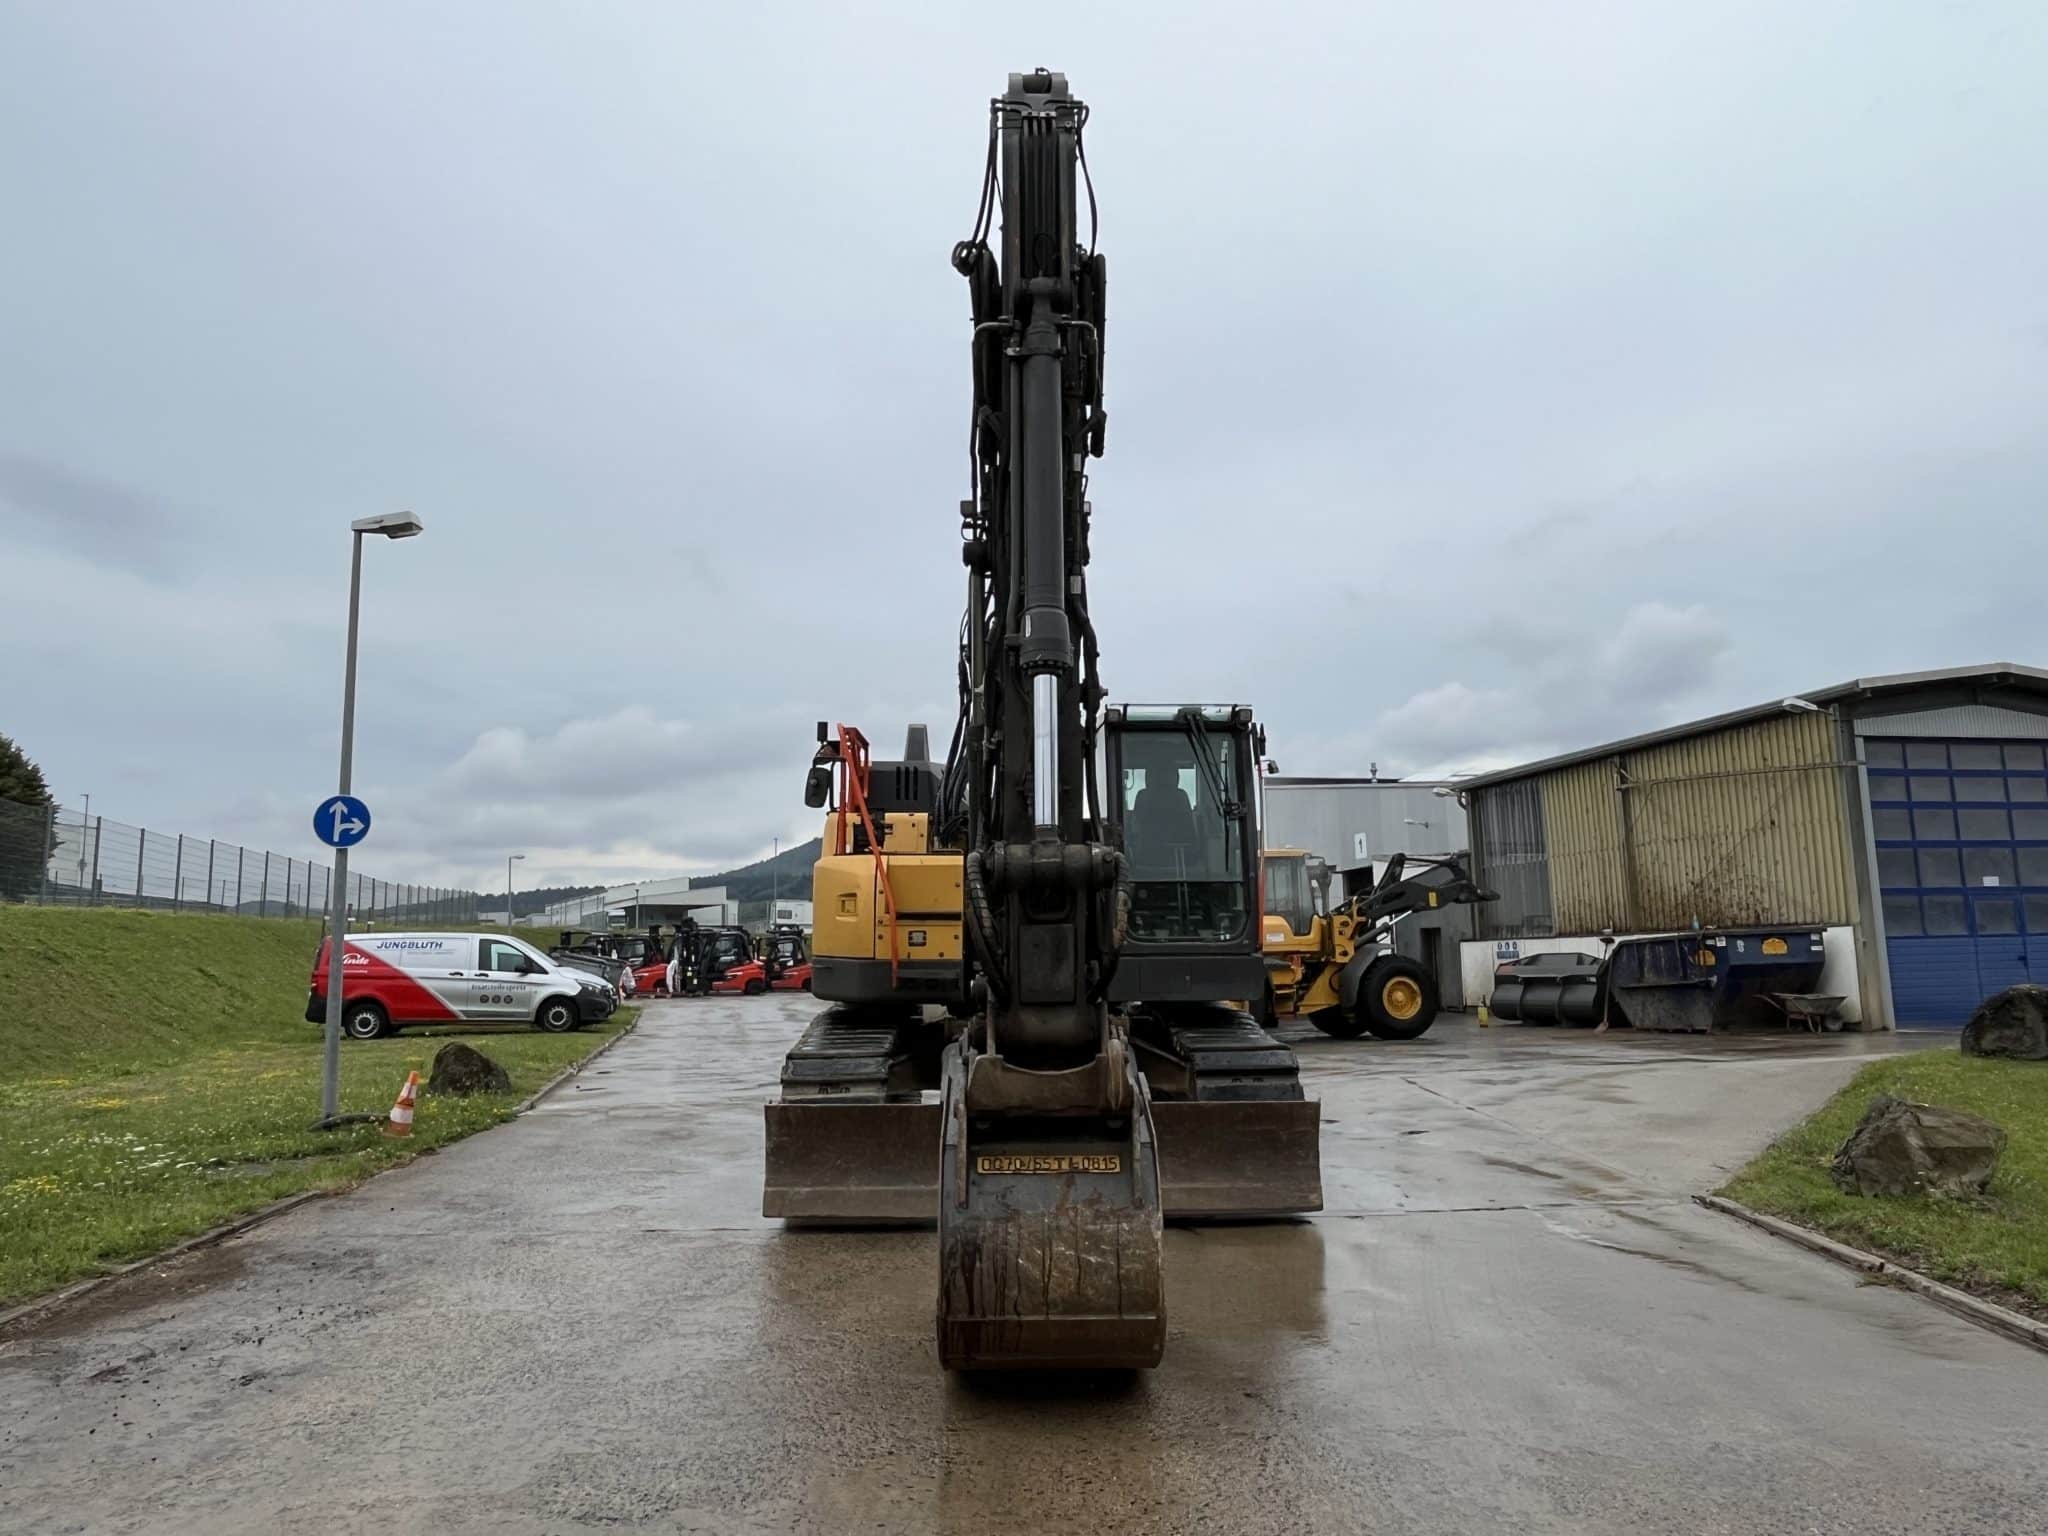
2014 1023
463 1070
1903 1148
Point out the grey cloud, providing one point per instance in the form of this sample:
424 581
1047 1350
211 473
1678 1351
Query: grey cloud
631 751
109 524
1654 666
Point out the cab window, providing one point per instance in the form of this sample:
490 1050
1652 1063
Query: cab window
1182 837
1287 893
500 956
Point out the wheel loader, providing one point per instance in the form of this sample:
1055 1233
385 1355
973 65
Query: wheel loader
1088 1076
1337 965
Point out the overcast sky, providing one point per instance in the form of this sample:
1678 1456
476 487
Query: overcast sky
1483 380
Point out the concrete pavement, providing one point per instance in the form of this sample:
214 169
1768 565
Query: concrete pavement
1511 1317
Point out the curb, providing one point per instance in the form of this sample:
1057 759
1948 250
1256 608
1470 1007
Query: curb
1985 1314
572 1069
80 1289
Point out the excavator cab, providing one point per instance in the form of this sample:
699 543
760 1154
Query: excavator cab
1179 780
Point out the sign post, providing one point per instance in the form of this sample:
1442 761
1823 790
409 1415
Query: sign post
341 822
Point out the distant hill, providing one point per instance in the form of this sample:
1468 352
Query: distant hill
789 873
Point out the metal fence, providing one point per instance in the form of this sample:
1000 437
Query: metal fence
57 856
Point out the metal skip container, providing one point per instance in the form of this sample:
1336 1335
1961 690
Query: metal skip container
1689 982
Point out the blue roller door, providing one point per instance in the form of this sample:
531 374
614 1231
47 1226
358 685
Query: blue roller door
1962 859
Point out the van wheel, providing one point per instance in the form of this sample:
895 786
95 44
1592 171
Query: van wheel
364 1020
557 1016
755 987
1397 998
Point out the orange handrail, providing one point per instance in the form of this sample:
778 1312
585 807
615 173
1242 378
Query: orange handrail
853 758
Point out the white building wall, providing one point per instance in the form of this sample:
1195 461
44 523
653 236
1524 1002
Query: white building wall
1329 816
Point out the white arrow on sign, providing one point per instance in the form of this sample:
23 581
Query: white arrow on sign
344 823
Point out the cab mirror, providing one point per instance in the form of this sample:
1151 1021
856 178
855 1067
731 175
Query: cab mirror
818 786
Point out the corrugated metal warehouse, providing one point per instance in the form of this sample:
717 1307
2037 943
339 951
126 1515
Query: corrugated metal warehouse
1355 824
1907 816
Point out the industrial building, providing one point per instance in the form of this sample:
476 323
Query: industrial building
1904 816
642 903
1354 825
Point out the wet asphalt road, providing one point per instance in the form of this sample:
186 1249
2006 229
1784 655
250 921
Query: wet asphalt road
1510 1318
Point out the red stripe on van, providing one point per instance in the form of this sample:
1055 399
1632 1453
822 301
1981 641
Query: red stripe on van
403 999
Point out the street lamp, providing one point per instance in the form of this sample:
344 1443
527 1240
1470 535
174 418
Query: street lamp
774 880
510 859
390 525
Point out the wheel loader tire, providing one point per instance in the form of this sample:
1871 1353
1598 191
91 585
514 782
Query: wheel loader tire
1338 1024
1397 998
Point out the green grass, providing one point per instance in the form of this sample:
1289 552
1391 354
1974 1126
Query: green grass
1996 1245
157 1078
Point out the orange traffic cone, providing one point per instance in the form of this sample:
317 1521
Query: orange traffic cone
400 1123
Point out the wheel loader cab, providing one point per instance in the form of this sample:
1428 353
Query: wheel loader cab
1178 792
1297 893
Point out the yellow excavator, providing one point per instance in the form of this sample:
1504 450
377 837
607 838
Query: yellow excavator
886 921
1336 965
1089 1076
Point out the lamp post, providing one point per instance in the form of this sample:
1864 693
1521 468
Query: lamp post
774 881
510 859
392 525
84 831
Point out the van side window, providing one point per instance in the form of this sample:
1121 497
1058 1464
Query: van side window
500 956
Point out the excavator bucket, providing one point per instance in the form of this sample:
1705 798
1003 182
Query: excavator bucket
1049 1243
852 1164
1238 1158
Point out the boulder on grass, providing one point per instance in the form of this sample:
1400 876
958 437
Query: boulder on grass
2014 1023
1903 1148
462 1070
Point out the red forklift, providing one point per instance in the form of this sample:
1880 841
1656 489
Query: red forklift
786 959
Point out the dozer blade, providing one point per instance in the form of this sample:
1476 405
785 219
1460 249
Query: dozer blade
1242 1158
852 1164
1049 1242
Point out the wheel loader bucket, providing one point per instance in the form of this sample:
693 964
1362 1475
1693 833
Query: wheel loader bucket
852 1164
1239 1158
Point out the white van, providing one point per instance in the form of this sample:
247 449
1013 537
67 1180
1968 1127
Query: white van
390 980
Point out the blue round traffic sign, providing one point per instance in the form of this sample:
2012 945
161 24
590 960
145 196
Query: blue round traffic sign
341 821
